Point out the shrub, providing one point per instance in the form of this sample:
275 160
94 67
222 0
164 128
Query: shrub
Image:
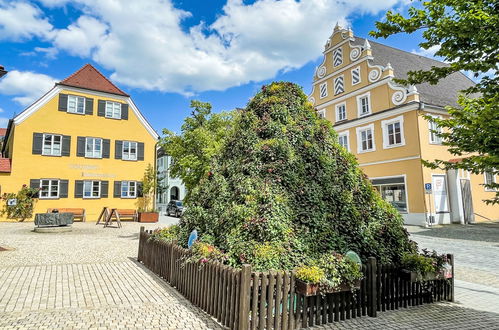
25 203
168 234
310 274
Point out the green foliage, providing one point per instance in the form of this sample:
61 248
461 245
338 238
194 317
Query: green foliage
418 263
168 234
310 274
148 189
202 138
25 203
466 33
202 252
281 191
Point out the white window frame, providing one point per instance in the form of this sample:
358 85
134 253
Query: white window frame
347 135
113 109
494 180
321 113
359 131
405 187
360 78
359 104
128 155
49 192
92 182
128 191
93 148
339 49
438 140
384 127
52 153
75 99
337 112
325 89
342 77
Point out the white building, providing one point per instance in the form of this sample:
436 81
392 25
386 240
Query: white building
169 188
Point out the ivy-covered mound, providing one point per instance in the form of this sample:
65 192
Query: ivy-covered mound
283 192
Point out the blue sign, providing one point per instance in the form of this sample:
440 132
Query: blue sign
193 237
427 186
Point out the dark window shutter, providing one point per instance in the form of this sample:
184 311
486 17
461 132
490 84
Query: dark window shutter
89 106
140 151
124 111
63 102
66 145
105 148
104 189
37 143
117 189
79 189
140 193
80 146
118 149
35 184
101 109
63 188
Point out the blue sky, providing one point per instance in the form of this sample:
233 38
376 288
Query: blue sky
165 53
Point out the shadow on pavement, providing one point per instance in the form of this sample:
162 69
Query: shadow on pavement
486 232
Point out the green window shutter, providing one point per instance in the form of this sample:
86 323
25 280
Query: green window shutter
140 192
80 146
101 108
117 189
124 111
89 106
63 188
105 148
140 151
35 184
104 189
118 149
63 102
66 145
37 143
79 189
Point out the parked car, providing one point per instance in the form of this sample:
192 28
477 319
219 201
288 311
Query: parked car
175 208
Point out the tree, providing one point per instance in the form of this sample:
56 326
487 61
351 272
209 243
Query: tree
25 200
281 191
466 33
148 187
202 137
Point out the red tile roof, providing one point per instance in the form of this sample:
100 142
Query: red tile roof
3 131
89 77
4 165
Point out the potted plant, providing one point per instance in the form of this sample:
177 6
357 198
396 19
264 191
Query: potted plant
147 213
426 266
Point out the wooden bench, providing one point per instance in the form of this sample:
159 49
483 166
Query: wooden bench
128 214
77 212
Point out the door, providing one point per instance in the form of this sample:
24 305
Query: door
469 217
440 194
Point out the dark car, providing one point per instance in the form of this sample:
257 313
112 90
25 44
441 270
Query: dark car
175 208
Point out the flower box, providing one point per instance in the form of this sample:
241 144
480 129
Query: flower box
313 289
148 216
412 276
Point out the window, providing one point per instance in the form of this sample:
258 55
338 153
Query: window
323 90
356 76
365 139
343 140
339 87
91 189
341 112
393 191
337 57
113 110
363 104
52 145
490 178
49 188
93 147
128 189
76 104
434 131
393 132
322 113
129 150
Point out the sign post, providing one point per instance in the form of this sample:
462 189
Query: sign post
428 191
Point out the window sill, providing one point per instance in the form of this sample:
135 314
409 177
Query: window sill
393 146
364 114
52 155
93 157
123 197
436 143
76 113
45 198
365 151
112 118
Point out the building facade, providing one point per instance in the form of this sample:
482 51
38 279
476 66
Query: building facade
84 144
382 124
169 188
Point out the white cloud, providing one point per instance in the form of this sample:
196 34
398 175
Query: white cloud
3 120
20 20
430 52
25 86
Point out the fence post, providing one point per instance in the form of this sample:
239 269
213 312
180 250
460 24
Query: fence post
139 254
244 297
372 291
451 260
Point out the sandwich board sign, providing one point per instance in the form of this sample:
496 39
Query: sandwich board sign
427 188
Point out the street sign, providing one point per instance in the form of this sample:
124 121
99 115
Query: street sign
12 202
427 188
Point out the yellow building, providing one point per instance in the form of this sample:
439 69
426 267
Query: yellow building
85 144
381 123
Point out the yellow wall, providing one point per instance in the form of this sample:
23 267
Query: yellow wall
48 119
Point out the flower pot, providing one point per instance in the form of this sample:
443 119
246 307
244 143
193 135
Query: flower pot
313 289
148 216
412 276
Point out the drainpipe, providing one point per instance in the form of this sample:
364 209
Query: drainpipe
420 108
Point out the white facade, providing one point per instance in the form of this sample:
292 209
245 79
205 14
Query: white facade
169 188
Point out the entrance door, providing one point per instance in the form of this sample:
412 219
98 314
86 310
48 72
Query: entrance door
467 201
174 193
440 194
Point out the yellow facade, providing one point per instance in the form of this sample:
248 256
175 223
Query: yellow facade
45 117
390 136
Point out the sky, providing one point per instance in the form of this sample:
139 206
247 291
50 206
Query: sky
165 53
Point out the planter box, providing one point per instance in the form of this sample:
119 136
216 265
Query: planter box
312 289
148 216
412 276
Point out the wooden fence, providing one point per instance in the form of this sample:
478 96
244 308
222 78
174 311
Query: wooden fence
242 299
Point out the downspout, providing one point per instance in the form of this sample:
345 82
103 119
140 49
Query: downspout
421 107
